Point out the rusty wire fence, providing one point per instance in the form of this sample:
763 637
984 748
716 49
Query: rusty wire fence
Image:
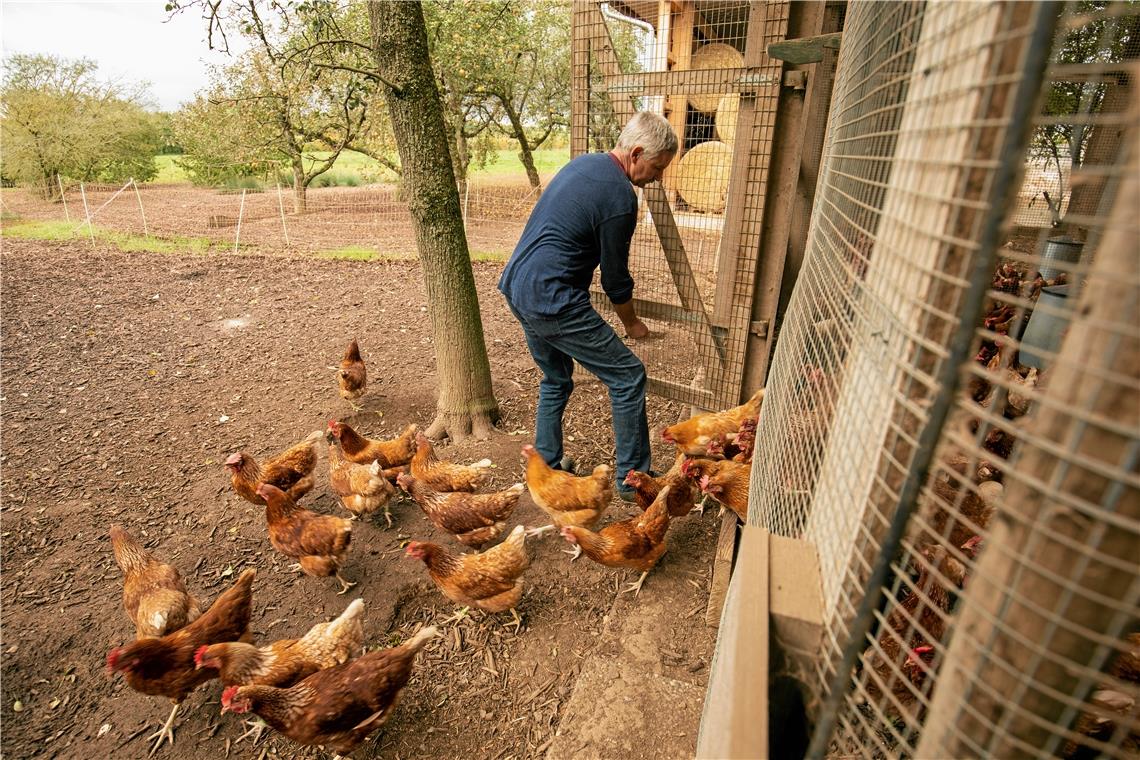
265 218
953 413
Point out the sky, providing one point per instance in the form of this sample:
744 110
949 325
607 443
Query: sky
130 41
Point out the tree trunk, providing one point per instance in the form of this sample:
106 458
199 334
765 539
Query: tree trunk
461 158
525 152
298 186
466 399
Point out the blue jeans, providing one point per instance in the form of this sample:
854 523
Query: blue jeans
556 342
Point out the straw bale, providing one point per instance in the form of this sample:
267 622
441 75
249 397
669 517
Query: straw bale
715 55
703 174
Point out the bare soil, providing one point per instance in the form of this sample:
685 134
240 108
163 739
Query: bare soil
127 380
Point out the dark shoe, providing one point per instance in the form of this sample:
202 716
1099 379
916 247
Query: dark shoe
567 464
626 494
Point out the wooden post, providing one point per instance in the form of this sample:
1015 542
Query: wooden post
142 211
241 213
735 719
679 44
722 568
63 197
87 214
579 79
281 209
1041 548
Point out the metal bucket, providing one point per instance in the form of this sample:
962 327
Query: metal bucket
1046 326
1059 249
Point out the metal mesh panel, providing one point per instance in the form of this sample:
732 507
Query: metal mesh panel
703 65
1009 596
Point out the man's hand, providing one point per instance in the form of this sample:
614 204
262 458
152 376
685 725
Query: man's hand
637 329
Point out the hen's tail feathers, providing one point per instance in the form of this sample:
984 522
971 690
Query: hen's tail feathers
314 437
482 463
516 488
417 642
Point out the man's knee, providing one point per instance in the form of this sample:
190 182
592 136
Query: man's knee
630 385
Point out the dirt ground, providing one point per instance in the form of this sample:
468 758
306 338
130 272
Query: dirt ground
127 380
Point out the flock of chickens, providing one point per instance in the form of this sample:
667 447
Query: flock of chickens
318 689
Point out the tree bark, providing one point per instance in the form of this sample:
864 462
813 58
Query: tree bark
467 402
298 185
526 155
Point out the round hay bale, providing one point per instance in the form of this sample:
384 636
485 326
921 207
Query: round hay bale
715 55
702 176
725 119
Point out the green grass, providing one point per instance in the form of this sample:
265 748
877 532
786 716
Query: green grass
351 253
352 168
124 241
168 172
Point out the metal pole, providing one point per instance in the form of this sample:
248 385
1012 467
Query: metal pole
241 212
142 211
1038 47
87 212
281 206
63 197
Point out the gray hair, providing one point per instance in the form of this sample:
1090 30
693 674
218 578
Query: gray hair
652 132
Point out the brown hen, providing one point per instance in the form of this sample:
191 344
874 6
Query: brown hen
446 476
352 376
154 595
473 518
682 495
284 663
319 543
567 499
491 580
391 454
336 707
362 489
291 471
693 435
636 543
165 666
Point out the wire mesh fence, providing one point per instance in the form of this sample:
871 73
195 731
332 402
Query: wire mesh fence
952 416
703 66
372 218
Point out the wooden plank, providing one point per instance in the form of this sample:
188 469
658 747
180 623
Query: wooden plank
795 595
686 394
783 179
734 723
646 309
805 49
579 80
722 567
683 279
693 82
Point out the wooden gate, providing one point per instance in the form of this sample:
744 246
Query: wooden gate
710 250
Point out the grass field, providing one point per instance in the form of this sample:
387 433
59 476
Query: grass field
354 168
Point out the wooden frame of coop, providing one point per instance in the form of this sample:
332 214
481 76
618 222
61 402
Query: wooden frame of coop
747 85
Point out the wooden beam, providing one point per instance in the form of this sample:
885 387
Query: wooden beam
805 49
664 312
722 568
685 394
734 723
579 80
693 82
683 279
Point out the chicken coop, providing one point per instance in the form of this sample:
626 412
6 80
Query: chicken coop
720 238
942 551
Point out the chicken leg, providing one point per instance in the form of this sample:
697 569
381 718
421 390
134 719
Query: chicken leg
534 532
166 732
256 727
518 620
574 553
635 587
345 585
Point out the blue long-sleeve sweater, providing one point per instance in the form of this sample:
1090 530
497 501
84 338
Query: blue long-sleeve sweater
585 218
